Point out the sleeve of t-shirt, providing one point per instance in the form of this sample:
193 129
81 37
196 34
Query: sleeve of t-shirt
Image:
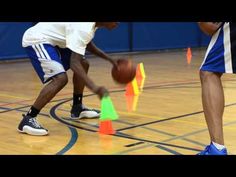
77 39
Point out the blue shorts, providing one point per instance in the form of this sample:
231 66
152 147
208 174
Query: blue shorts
48 61
221 53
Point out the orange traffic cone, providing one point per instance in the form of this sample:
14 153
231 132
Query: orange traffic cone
105 127
189 55
140 73
140 83
132 88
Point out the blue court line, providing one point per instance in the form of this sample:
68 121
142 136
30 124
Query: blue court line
74 133
74 137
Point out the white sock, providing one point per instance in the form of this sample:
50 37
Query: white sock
218 146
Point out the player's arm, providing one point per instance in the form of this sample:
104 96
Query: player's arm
91 47
209 28
77 68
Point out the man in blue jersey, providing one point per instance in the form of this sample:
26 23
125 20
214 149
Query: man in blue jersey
53 49
220 58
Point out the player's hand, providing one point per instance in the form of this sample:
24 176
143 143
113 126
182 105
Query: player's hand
101 92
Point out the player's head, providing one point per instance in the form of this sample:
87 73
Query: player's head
108 25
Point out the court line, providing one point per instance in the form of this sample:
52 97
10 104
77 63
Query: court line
165 133
193 140
157 121
168 150
53 115
90 125
148 86
19 109
198 131
127 123
167 119
159 143
13 109
148 145
185 82
125 136
174 138
62 99
22 101
133 137
122 135
166 84
68 100
73 139
132 126
134 144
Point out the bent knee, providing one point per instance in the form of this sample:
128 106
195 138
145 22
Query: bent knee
85 63
61 80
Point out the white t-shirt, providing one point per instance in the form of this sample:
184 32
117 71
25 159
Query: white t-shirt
74 36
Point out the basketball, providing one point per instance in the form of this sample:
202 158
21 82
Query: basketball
126 72
209 28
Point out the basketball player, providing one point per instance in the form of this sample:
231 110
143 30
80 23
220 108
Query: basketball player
219 59
53 49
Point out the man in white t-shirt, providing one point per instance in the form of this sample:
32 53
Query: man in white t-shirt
53 49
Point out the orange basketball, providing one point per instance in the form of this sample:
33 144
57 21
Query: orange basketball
126 72
209 28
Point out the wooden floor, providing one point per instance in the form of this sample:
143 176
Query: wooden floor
168 118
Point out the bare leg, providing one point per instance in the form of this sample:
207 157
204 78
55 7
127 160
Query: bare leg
29 123
213 104
50 90
78 110
77 82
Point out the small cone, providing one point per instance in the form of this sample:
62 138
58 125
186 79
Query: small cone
142 70
131 103
140 73
189 55
105 127
108 111
140 83
132 88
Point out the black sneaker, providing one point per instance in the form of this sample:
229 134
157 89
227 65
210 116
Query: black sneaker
30 126
80 111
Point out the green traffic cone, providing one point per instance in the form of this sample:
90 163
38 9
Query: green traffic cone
108 111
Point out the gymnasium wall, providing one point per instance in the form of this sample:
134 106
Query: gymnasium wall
129 36
10 40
